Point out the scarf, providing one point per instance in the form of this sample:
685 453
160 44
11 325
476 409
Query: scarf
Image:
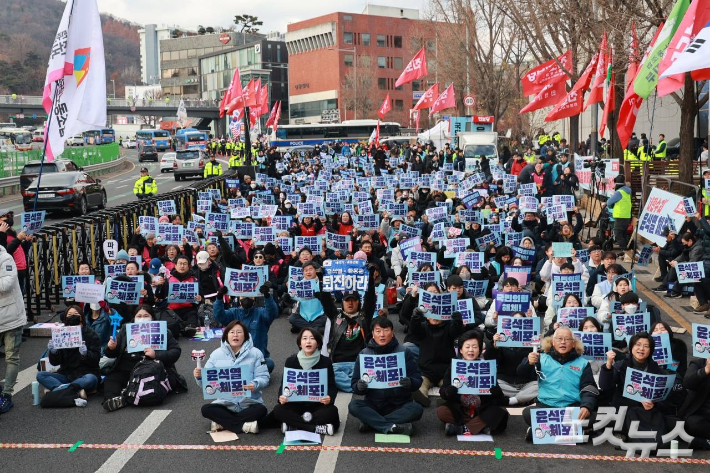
308 362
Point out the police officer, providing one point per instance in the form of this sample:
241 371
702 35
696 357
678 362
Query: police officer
661 150
212 168
145 186
236 160
620 203
705 193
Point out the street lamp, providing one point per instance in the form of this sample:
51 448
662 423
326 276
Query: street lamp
345 112
114 88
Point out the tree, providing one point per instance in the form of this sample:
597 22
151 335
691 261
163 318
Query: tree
209 30
201 30
359 88
247 23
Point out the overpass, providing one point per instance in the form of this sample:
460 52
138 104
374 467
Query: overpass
196 108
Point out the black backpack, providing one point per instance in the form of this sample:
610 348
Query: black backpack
175 324
148 384
61 397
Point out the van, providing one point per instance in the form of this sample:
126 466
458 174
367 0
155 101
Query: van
477 144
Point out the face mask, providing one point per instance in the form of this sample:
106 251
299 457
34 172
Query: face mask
142 320
631 308
247 303
465 275
288 206
74 320
253 185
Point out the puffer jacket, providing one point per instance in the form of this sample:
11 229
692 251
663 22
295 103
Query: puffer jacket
12 304
257 319
224 357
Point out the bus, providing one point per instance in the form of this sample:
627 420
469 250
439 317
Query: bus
349 131
191 139
107 136
160 138
15 139
99 137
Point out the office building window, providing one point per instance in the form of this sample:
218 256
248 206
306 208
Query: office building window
381 62
381 40
382 83
397 41
349 59
348 38
347 18
365 39
399 105
398 63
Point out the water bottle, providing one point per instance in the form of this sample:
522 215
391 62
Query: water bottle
35 393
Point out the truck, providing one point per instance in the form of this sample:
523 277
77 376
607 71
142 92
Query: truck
476 144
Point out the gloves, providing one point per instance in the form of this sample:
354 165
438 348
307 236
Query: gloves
456 316
218 233
418 312
222 291
450 392
361 385
265 289
50 346
406 383
83 350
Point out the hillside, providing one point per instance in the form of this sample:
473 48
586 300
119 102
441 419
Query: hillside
27 28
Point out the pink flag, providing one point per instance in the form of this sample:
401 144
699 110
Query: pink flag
551 94
447 99
416 69
384 108
429 97
536 78
277 117
596 93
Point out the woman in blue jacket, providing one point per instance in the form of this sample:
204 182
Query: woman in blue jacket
240 414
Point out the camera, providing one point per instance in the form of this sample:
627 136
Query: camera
596 161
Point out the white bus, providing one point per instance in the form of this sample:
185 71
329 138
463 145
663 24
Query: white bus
350 131
15 139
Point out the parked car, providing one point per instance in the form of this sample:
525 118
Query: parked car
31 170
38 136
167 162
76 140
147 151
66 191
129 143
188 163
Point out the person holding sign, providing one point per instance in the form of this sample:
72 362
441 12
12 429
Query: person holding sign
17 244
12 321
695 411
612 378
186 311
319 413
77 366
257 319
678 364
386 410
565 378
241 414
311 312
621 286
121 371
470 414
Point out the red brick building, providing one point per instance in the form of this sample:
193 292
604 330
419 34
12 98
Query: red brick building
350 62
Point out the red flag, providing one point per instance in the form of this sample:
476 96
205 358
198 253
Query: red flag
609 104
272 114
254 94
569 107
634 58
238 100
596 93
429 97
277 117
586 78
551 94
536 78
384 108
415 69
235 87
264 100
447 99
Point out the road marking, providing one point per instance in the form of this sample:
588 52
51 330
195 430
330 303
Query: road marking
139 436
25 378
667 308
328 458
118 187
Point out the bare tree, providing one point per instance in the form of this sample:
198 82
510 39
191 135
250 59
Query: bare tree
359 87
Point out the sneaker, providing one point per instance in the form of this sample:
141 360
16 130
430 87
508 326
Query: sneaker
114 404
364 428
215 427
486 431
673 295
702 308
6 403
190 331
402 429
326 429
285 428
528 435
421 398
82 394
466 430
250 427
660 289
450 430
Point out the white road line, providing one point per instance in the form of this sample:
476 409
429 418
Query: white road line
118 460
327 458
24 378
118 187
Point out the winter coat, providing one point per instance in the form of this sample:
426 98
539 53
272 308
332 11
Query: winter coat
12 304
323 363
72 364
436 345
394 398
224 357
697 382
101 326
613 380
257 319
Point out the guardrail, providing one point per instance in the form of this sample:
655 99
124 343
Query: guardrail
14 161
160 102
60 248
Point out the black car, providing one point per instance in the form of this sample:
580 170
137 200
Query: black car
146 152
31 170
67 191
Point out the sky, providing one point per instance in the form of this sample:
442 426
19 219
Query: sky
275 14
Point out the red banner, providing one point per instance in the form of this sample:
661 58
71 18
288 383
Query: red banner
536 78
550 95
384 108
569 107
596 93
609 104
416 69
429 97
447 99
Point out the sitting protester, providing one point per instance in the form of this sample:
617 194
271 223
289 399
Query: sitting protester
320 416
311 312
695 411
240 414
386 410
97 319
470 414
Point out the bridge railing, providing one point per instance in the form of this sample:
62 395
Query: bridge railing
117 102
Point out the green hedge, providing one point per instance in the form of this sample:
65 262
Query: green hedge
13 162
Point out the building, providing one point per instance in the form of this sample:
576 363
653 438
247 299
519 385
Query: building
150 38
358 58
263 59
180 57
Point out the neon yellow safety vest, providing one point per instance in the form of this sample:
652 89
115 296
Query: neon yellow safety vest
542 139
557 137
529 158
706 207
629 156
212 169
661 154
622 209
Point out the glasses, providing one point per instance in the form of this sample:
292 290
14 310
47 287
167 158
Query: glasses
558 339
258 257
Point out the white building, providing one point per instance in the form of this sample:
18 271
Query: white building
150 37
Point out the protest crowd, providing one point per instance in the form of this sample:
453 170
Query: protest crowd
482 268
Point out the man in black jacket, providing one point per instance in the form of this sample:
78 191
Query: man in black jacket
386 410
696 410
670 251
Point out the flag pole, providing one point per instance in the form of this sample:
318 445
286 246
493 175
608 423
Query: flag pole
44 148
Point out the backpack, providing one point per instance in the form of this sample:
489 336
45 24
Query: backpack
148 384
175 324
61 397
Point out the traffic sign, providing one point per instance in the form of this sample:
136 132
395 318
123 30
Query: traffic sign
469 101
